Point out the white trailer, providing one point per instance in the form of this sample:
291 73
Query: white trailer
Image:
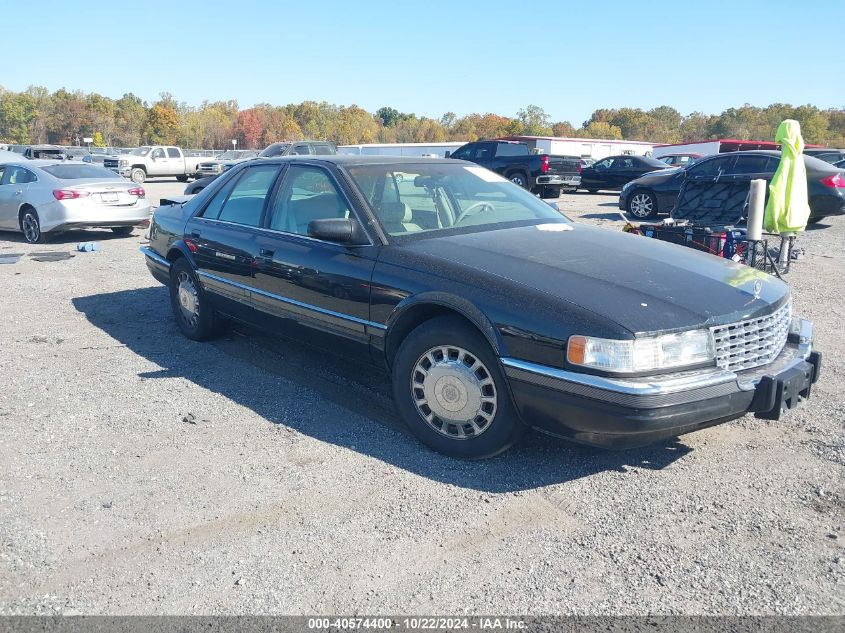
710 147
583 147
400 149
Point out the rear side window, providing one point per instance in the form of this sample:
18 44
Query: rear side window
323 150
301 149
511 149
750 165
172 152
246 201
76 172
711 167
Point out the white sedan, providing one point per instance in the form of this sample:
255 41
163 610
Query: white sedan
38 197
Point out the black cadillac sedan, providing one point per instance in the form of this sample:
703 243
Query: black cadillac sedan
490 311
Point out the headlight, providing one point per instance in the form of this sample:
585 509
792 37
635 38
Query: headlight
643 354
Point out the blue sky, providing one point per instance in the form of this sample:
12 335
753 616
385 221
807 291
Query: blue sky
433 56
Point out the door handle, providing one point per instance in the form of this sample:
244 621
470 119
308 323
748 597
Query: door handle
265 253
19 192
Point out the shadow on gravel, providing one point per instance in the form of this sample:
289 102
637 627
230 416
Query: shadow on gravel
71 237
250 369
602 216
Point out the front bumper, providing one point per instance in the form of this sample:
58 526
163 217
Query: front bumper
625 413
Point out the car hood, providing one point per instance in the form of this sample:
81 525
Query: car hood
640 283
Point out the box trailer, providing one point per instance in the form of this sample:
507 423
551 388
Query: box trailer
583 147
400 149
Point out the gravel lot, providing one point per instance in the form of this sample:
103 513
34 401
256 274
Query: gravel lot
142 473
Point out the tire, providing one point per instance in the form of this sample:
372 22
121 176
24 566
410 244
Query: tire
30 225
194 315
435 362
592 190
123 231
815 220
138 175
642 204
548 192
181 179
519 179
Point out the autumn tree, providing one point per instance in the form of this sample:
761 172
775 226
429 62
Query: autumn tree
162 125
535 121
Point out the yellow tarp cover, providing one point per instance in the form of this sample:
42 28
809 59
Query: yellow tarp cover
788 209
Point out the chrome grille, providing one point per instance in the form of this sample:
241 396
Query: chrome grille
753 342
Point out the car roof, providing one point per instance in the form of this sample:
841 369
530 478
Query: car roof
354 159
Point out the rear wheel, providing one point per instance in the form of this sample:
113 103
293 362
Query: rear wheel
123 231
642 204
31 226
194 315
137 175
449 389
519 179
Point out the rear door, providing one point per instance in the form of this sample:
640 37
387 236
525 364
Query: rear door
708 193
224 234
175 162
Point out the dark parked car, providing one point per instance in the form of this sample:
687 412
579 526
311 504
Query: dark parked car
679 160
491 311
47 152
298 148
541 173
613 172
827 154
657 193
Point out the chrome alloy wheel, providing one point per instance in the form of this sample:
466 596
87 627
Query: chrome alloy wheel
642 205
31 229
189 303
454 392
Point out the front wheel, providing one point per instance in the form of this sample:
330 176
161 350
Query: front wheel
31 227
194 315
122 231
642 204
181 179
138 176
451 393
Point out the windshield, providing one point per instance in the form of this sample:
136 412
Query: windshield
70 171
140 151
421 200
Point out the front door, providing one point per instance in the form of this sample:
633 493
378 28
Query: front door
14 182
308 287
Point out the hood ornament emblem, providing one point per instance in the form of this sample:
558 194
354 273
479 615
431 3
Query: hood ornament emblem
758 288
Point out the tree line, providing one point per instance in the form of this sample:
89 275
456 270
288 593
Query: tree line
64 117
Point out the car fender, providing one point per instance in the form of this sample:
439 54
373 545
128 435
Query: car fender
178 248
458 304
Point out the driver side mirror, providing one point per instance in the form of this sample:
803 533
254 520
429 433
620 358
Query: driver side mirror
448 154
339 230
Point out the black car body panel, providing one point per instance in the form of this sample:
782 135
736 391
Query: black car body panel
614 172
527 287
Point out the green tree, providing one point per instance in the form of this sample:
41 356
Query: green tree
535 121
130 115
601 130
162 125
99 140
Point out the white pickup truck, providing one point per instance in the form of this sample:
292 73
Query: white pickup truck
153 161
